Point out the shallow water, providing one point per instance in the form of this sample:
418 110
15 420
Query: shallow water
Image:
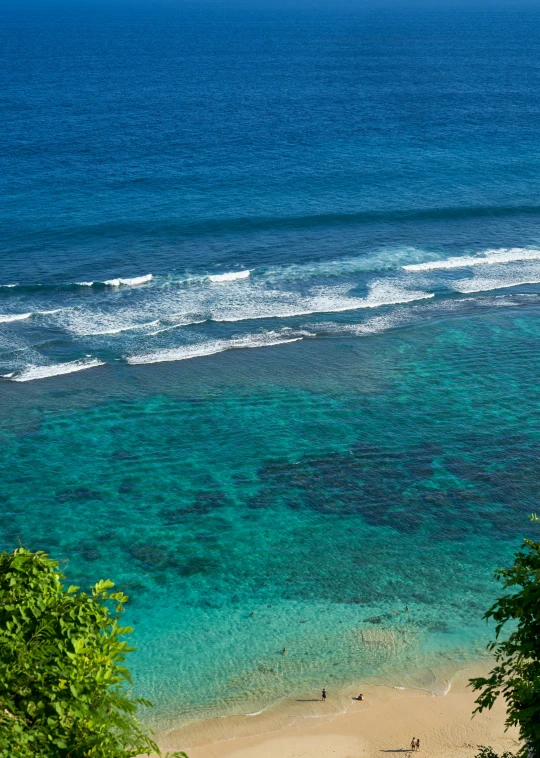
323 508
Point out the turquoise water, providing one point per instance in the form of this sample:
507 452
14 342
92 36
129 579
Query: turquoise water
321 501
269 299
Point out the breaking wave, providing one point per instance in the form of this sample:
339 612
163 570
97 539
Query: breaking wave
211 347
8 318
44 372
279 304
120 329
180 317
231 276
487 258
483 284
128 282
11 317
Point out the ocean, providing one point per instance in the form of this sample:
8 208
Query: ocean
269 327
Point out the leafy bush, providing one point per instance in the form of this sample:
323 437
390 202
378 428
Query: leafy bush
62 679
517 674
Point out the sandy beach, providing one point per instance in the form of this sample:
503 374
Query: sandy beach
384 722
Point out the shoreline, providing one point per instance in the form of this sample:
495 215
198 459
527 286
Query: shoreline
385 721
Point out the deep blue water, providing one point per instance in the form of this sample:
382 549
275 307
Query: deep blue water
356 198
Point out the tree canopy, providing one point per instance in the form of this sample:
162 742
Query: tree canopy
516 675
64 689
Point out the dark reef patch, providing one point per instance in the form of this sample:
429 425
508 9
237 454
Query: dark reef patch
80 494
152 556
402 490
201 504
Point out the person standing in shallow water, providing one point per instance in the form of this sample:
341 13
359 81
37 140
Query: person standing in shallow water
323 695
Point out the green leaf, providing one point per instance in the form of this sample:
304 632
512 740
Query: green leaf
516 676
62 677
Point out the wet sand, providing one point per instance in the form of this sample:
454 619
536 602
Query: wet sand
384 722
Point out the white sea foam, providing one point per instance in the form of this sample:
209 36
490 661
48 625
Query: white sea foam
8 318
119 282
419 312
385 292
145 325
133 282
371 326
211 347
167 309
257 713
381 260
381 323
119 329
239 301
279 304
43 372
230 276
487 258
175 326
87 322
485 284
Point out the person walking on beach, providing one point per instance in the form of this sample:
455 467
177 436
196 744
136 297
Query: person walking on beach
413 745
323 695
418 743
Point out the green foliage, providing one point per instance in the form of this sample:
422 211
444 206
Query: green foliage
516 675
62 679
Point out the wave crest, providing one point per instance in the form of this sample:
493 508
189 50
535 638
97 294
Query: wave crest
488 258
31 373
134 281
9 317
211 347
230 276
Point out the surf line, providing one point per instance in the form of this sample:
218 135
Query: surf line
31 373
